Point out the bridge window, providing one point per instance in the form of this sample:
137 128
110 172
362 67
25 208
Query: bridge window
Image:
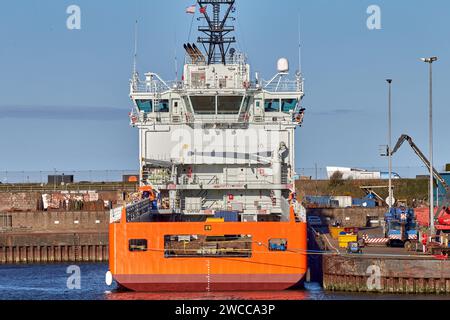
144 105
229 104
162 106
204 104
138 245
272 105
288 104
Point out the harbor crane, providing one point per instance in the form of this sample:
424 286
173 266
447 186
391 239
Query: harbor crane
443 215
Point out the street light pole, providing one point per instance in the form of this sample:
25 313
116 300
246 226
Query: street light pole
430 61
389 81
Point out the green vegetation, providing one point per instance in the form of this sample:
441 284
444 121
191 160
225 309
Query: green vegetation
404 189
336 180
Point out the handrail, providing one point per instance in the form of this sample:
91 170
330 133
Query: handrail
68 187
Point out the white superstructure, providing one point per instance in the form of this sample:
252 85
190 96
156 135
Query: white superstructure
359 174
218 140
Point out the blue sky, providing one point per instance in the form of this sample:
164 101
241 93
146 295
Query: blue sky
64 94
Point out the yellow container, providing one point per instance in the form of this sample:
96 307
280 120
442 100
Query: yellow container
215 220
345 239
335 231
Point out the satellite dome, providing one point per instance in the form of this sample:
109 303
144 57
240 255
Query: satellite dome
283 65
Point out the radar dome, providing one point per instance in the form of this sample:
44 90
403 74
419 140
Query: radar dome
283 65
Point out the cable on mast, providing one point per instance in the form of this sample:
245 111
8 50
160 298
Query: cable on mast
216 31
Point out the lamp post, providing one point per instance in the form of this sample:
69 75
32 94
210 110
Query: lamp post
390 201
430 61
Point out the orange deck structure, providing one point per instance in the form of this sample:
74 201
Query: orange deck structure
150 270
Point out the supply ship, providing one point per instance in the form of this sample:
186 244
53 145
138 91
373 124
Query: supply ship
216 208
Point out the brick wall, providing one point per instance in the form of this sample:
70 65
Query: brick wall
32 201
56 222
19 201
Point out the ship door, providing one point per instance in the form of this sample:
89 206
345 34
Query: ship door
176 107
258 108
176 110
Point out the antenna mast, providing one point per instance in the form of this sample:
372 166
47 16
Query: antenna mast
299 46
135 77
135 47
216 30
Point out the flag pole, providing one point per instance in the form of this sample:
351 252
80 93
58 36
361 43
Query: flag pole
190 28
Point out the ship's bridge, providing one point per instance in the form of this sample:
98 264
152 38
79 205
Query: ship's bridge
217 93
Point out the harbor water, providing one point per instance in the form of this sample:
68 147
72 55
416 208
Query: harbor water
87 282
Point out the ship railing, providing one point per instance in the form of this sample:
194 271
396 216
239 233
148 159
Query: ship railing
159 181
283 86
210 121
156 87
115 214
237 58
250 180
137 209
216 118
208 180
145 87
216 85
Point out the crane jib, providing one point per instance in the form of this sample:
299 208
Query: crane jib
424 159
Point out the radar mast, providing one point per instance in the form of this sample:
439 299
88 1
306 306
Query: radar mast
216 31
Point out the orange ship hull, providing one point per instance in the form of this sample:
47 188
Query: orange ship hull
153 271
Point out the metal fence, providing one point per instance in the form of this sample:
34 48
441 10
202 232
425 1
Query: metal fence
92 176
320 173
41 177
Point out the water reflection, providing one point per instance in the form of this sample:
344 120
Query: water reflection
284 295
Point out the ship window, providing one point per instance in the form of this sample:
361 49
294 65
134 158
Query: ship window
229 104
194 246
272 105
144 105
278 244
288 104
138 245
162 106
204 104
198 79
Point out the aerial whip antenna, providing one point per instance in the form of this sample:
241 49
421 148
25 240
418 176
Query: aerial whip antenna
135 73
176 57
135 47
299 46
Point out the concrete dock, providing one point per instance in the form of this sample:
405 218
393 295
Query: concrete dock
73 227
42 237
381 269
